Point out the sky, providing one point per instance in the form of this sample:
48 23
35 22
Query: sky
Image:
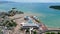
33 0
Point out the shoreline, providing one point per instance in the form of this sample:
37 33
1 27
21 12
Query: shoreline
33 14
30 14
22 15
53 28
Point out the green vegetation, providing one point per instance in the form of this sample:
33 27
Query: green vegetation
20 29
37 21
10 13
27 30
58 32
52 32
14 11
35 32
9 23
55 7
47 32
2 16
6 21
1 31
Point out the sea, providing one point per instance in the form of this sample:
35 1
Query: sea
50 17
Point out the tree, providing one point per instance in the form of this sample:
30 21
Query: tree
58 32
27 30
52 32
35 32
1 31
47 33
9 23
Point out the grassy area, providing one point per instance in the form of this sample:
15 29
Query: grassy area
35 32
52 32
47 33
58 32
27 30
1 31
9 23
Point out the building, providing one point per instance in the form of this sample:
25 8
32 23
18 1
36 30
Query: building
4 30
29 24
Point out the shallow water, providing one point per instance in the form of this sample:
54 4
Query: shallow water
48 16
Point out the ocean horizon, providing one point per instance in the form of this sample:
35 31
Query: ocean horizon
50 17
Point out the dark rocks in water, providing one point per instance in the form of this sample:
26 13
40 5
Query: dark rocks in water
11 13
14 11
55 7
20 12
13 8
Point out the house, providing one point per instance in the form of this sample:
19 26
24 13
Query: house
35 17
4 30
27 18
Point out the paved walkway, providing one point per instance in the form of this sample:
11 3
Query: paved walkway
18 25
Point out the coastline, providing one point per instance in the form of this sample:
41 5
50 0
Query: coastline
25 14
22 15
53 28
34 7
21 20
30 14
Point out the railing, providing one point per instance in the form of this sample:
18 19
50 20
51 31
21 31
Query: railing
50 31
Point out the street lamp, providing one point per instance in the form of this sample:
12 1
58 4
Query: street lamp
30 30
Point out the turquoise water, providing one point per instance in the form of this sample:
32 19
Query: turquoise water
48 16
